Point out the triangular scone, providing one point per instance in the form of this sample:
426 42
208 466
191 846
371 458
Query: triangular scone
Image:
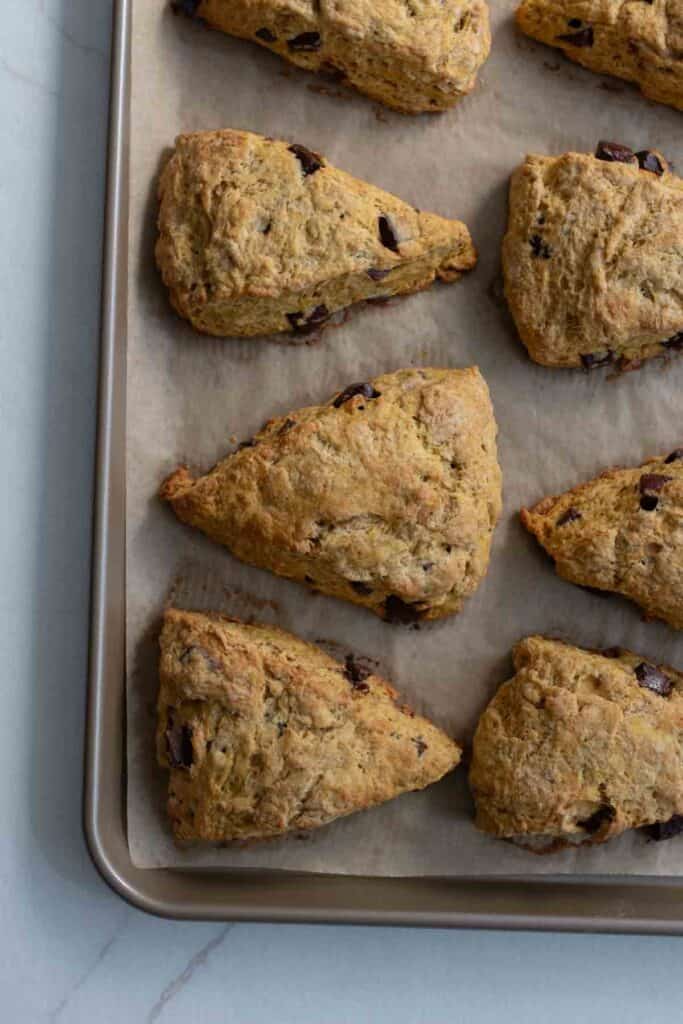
410 56
386 496
258 236
264 734
621 532
593 257
579 746
639 40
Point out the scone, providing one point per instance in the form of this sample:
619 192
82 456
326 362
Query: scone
258 236
264 734
639 40
621 532
386 496
579 746
593 257
421 55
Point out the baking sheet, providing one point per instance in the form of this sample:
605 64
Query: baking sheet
188 396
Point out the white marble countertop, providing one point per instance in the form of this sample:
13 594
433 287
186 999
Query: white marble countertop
70 950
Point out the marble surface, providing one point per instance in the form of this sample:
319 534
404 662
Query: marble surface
70 950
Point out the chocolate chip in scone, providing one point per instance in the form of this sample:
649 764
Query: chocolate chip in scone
611 652
584 37
665 829
652 678
377 275
601 817
281 728
195 651
674 343
387 235
575 23
539 248
653 482
310 161
356 673
649 502
398 612
286 426
266 35
591 360
364 389
179 745
360 587
675 455
614 152
306 42
186 7
649 161
568 517
420 745
303 324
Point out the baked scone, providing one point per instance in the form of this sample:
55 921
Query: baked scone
593 257
639 40
387 495
621 532
415 56
579 746
264 734
258 236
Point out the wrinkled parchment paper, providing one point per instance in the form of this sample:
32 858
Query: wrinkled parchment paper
189 395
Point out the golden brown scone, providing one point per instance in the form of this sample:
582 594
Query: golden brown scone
593 257
579 746
639 40
386 496
621 532
412 56
258 236
265 734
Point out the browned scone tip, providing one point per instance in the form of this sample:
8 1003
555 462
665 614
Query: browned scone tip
265 734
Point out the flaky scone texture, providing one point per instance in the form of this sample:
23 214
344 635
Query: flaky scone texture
258 236
412 55
387 495
593 260
621 532
264 734
578 746
639 40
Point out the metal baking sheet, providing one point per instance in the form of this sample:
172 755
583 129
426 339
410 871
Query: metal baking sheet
616 904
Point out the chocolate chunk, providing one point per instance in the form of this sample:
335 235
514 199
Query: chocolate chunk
420 745
675 455
568 517
179 745
266 35
356 673
281 727
665 829
652 678
674 343
310 161
584 37
611 652
302 324
366 390
649 502
186 7
286 426
649 161
575 23
377 275
397 611
360 587
614 152
539 247
601 817
200 652
653 482
387 235
309 579
591 360
305 42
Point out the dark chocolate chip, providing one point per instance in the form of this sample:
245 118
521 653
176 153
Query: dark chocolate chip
540 248
281 726
653 482
310 161
591 360
601 817
674 343
266 35
356 673
649 161
305 42
584 37
397 611
614 152
575 23
179 745
427 566
286 426
186 7
611 652
366 390
420 745
377 275
568 517
360 587
387 235
652 678
675 455
665 829
303 324
195 651
308 579
649 502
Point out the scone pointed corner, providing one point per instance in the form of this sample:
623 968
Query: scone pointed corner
176 485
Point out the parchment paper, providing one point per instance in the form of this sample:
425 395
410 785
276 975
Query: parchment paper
189 395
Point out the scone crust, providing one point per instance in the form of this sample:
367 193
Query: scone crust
265 734
575 747
639 41
593 260
387 501
417 56
258 237
621 532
